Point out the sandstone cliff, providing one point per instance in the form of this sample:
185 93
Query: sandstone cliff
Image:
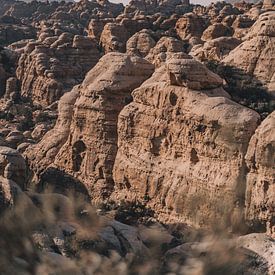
181 146
260 193
86 136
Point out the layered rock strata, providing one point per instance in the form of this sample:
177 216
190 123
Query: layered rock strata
260 193
86 131
181 146
52 66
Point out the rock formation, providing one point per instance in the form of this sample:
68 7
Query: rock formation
114 37
13 166
86 137
190 25
164 49
178 148
260 159
140 43
214 50
52 66
253 60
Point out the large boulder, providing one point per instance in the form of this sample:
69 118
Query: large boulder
165 48
140 43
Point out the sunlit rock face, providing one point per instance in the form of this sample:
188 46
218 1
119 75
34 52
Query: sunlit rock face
87 124
260 192
181 146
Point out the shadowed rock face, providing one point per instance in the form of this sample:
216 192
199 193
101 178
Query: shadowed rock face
181 145
260 159
87 145
255 56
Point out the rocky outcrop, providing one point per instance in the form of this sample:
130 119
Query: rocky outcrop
10 33
7 68
44 152
263 246
150 7
242 25
190 25
96 27
214 50
215 31
52 66
140 43
86 136
164 49
260 193
114 37
181 146
252 62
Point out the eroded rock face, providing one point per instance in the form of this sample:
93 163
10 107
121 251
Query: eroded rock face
190 25
215 31
260 159
215 50
165 48
182 146
44 152
7 67
140 43
253 60
86 142
114 37
150 7
10 33
52 66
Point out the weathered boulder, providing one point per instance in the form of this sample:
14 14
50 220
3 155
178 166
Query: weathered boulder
190 25
96 27
215 31
9 190
114 37
263 246
214 50
181 145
